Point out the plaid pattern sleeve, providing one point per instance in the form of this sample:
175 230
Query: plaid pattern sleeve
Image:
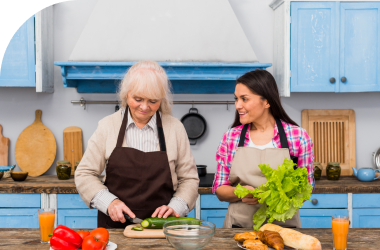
224 155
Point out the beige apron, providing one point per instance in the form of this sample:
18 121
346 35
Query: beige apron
245 170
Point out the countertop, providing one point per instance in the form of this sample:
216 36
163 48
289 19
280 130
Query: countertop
358 239
51 184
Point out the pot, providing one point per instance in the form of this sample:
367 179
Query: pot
195 125
202 171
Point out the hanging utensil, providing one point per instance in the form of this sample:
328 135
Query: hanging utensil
195 125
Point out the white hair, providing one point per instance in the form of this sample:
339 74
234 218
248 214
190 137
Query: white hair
147 79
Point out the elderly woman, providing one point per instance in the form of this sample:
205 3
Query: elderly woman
150 171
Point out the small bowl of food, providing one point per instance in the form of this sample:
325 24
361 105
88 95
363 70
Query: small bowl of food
19 175
189 234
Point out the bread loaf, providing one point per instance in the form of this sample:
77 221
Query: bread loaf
293 238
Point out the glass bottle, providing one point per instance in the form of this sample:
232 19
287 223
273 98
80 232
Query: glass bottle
63 170
317 170
333 170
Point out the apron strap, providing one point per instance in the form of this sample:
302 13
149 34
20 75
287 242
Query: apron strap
283 139
242 135
120 138
161 136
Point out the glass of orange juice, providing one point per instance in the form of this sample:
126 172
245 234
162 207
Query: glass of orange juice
46 220
340 225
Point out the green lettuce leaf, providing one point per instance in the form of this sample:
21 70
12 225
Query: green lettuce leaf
284 192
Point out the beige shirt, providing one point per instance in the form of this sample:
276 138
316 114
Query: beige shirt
103 141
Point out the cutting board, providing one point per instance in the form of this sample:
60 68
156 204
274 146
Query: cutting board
145 234
72 145
35 148
4 148
333 135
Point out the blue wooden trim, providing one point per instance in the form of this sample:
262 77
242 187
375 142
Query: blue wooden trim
319 218
327 201
78 218
211 201
365 200
70 201
191 214
186 78
20 200
19 218
366 218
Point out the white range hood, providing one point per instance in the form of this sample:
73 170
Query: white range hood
163 30
200 44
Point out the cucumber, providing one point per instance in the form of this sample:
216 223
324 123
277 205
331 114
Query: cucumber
157 223
137 228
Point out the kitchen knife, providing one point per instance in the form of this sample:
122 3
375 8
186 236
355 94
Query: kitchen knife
135 220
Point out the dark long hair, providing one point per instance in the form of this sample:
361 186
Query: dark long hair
262 83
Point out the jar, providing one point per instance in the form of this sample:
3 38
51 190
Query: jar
63 170
76 165
333 171
317 170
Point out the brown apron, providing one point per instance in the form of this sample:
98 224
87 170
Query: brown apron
142 180
245 170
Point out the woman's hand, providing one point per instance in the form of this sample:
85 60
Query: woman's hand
116 209
249 200
164 212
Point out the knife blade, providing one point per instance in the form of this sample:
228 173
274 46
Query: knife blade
135 220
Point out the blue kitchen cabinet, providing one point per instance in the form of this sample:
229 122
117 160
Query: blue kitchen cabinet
366 210
318 214
335 47
191 214
73 212
213 210
19 210
18 65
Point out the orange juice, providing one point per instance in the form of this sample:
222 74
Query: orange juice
46 221
340 232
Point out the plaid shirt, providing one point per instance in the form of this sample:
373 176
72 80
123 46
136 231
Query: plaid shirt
300 145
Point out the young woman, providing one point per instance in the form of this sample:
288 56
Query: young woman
261 133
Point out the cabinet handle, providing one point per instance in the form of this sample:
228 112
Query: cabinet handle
332 80
343 79
314 201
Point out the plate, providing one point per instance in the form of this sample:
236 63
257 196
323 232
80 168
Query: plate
285 248
110 246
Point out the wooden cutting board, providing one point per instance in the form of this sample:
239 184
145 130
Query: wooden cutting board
35 148
145 234
333 135
72 145
4 148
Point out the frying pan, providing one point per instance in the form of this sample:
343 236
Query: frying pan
195 125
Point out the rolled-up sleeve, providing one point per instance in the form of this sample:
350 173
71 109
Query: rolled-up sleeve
306 156
223 169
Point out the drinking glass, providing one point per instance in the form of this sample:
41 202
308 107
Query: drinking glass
340 224
46 220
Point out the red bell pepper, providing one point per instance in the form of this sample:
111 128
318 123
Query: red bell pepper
65 238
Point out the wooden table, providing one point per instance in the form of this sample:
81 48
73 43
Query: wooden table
358 239
51 185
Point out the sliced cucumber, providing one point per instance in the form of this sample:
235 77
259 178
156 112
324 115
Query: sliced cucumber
137 228
157 223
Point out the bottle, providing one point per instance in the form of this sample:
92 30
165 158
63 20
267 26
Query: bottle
317 170
333 170
63 170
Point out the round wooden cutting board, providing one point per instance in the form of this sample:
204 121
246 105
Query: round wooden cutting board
36 148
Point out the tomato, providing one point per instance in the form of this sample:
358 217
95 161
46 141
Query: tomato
101 234
83 234
92 243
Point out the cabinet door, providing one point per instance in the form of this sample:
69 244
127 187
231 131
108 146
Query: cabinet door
78 218
215 216
18 66
19 218
314 46
359 46
319 218
366 218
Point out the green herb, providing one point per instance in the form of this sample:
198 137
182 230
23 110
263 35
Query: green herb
284 192
137 228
